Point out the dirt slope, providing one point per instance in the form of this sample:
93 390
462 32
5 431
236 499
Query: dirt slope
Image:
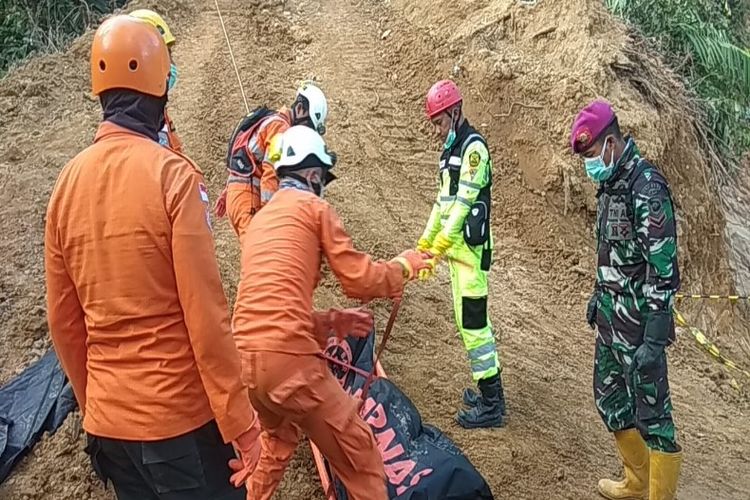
375 60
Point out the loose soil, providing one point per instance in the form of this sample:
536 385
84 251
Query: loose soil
525 71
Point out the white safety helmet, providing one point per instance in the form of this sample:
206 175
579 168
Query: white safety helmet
317 105
296 145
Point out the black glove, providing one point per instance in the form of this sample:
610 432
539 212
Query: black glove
655 338
592 308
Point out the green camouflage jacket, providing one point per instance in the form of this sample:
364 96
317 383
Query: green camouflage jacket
637 271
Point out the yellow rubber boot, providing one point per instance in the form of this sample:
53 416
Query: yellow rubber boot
635 461
665 471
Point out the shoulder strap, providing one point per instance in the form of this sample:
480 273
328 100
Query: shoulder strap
248 123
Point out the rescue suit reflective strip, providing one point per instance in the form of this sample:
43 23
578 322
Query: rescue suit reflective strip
136 308
274 329
247 195
465 180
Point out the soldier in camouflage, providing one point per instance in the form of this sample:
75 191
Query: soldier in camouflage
631 307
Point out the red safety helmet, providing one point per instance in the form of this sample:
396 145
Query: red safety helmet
442 96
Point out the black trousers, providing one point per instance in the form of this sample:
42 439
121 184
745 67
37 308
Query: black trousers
189 467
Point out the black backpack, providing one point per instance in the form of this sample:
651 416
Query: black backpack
240 160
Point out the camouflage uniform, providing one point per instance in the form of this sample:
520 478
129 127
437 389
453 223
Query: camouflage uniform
637 277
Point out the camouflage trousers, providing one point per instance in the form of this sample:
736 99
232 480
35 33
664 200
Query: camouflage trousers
641 400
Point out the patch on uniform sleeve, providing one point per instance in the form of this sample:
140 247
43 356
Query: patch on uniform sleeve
656 215
203 192
652 189
655 206
474 159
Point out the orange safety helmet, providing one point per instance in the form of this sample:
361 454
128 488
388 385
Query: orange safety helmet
129 54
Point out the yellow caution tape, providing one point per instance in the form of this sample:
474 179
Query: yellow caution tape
707 345
712 297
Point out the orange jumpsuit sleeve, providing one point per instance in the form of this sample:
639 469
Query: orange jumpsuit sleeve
269 183
361 276
65 315
205 306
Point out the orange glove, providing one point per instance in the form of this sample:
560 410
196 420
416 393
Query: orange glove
221 204
357 322
412 263
249 448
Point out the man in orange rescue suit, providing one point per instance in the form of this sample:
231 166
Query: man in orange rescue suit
280 338
136 309
246 193
167 135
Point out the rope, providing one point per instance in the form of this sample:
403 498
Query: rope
712 297
231 55
388 329
331 359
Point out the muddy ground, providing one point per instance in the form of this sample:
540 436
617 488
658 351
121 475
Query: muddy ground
525 72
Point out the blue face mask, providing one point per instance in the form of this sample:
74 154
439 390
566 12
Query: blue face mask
172 76
596 169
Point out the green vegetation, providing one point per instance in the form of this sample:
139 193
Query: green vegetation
707 43
29 26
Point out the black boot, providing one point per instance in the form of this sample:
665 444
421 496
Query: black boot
472 397
488 411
